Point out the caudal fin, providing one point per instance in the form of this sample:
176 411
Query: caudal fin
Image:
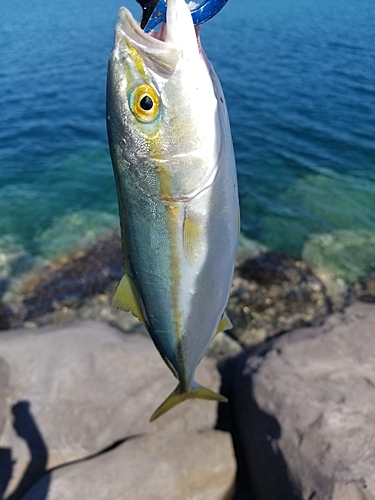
179 395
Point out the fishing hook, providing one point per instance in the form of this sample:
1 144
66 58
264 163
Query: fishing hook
200 14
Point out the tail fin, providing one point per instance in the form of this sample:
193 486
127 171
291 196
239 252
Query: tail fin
179 395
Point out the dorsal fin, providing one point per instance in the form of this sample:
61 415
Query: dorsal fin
126 298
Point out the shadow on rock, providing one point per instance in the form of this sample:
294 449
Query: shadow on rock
27 429
6 466
262 473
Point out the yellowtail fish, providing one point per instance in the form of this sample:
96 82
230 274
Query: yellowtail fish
174 166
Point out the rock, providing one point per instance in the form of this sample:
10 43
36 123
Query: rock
152 467
273 293
303 408
5 314
248 249
365 289
75 391
92 308
67 281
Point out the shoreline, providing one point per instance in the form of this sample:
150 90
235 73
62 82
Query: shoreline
271 293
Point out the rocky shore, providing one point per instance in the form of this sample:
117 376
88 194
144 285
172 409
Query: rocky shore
79 380
271 292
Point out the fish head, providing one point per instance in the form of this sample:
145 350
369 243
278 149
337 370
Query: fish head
163 102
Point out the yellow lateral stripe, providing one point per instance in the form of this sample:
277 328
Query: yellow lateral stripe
155 143
173 213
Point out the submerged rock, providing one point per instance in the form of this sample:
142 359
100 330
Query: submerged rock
350 255
303 407
14 261
73 230
314 202
273 293
68 281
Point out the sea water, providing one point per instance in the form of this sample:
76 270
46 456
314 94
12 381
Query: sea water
299 80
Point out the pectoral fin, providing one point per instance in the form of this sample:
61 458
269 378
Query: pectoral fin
126 299
191 238
225 324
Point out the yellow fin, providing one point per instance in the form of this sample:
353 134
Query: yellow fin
190 238
179 395
225 324
125 298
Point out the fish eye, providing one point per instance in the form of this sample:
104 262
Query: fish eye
144 103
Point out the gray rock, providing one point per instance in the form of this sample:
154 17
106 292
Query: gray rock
304 407
151 467
80 389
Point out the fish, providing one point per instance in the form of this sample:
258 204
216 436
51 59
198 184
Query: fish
173 160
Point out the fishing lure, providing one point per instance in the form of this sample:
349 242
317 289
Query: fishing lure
154 12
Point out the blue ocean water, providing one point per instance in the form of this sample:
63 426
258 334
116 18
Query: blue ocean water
299 80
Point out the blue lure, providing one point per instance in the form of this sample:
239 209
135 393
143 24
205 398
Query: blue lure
205 11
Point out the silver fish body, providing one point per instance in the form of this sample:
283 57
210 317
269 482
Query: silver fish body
174 166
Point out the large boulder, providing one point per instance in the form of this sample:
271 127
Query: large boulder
303 407
150 467
69 393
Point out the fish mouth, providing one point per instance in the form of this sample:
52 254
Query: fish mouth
159 55
160 50
129 27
